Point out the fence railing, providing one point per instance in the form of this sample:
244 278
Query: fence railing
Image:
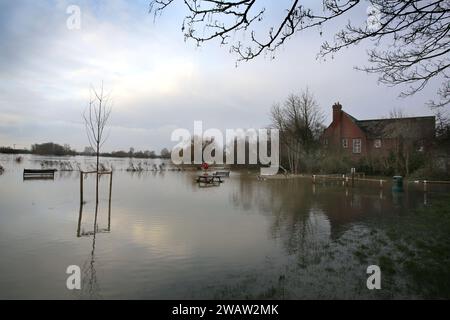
347 180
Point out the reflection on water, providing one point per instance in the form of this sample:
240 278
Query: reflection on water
89 287
96 229
168 238
293 204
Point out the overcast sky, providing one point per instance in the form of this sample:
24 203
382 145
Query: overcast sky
157 81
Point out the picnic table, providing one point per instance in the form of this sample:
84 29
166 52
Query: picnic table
209 179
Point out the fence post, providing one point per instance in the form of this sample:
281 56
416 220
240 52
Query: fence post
81 187
353 170
80 214
109 207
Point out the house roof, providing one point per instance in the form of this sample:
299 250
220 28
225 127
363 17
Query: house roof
351 117
412 127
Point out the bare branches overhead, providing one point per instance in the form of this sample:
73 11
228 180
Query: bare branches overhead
411 38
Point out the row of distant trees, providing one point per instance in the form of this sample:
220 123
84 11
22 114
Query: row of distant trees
55 149
9 150
147 154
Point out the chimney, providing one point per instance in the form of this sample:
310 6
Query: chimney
337 109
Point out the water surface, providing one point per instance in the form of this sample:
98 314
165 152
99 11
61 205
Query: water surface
170 239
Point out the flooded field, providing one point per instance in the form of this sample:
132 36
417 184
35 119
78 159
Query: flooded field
164 237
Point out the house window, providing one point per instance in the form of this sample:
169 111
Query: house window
356 145
377 143
325 142
345 143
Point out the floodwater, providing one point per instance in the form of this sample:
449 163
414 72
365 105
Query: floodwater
167 238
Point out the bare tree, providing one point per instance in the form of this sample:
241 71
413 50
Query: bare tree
165 153
415 34
443 126
95 118
300 123
397 113
407 138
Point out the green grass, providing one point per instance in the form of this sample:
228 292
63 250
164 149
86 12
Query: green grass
412 251
422 245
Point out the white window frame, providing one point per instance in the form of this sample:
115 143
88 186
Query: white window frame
357 145
377 143
344 143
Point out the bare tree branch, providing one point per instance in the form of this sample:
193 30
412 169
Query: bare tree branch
96 117
300 123
411 38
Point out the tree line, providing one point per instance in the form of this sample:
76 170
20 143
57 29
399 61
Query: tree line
54 149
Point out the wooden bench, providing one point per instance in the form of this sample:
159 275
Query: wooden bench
29 174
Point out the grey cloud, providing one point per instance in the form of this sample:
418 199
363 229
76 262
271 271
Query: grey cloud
46 71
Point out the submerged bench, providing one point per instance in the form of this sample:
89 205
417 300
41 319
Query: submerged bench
38 174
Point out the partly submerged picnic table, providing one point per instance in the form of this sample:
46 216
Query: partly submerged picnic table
214 179
209 179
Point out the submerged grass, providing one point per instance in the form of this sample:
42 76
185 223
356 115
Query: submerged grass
423 238
412 251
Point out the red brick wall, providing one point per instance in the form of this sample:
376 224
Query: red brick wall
387 145
344 127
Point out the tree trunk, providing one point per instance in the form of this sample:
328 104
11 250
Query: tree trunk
407 163
97 166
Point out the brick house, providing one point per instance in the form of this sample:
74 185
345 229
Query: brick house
360 138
